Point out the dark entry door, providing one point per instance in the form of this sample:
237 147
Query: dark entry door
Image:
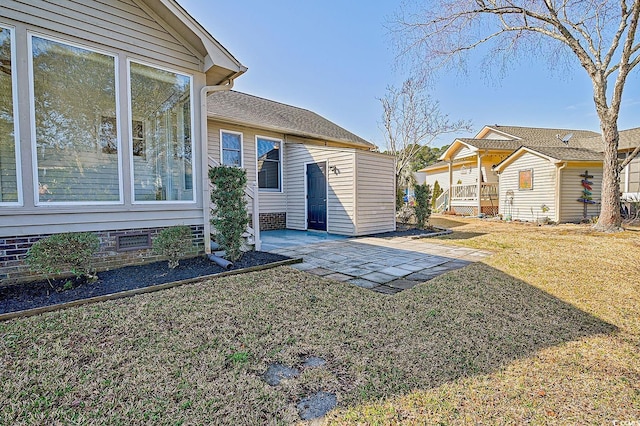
317 196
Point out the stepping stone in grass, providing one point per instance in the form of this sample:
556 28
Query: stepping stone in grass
314 361
316 405
276 372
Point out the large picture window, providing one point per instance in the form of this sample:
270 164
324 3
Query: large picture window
75 123
269 163
231 148
162 148
9 183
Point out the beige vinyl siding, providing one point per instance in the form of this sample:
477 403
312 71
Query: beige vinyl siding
116 24
55 220
527 204
124 29
248 154
466 176
571 210
630 179
375 201
442 176
496 136
463 152
340 196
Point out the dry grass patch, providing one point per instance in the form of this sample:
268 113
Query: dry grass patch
536 334
593 379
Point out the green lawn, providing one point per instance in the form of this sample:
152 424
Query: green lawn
545 331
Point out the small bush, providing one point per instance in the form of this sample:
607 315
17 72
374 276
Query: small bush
399 198
437 191
405 214
174 243
229 215
67 252
423 205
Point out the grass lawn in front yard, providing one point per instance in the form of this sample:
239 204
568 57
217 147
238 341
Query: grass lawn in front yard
545 331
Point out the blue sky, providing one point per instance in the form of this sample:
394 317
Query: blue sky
336 59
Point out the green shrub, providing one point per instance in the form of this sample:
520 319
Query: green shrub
437 191
422 207
68 252
229 215
399 198
174 243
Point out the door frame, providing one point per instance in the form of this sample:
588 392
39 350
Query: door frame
306 193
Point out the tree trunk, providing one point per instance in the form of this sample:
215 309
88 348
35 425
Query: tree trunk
610 220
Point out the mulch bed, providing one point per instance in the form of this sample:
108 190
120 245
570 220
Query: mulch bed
38 294
406 231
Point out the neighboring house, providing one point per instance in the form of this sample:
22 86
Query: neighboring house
546 182
101 123
534 167
309 172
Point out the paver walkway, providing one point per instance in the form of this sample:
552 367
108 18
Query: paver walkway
385 265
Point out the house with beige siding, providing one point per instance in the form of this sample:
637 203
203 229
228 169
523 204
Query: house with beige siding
517 172
546 183
307 172
101 123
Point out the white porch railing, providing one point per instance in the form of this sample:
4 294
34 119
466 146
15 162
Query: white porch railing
488 191
251 193
442 202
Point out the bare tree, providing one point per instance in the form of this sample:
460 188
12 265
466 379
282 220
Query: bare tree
600 35
411 119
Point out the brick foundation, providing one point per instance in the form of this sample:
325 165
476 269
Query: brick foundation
273 221
13 251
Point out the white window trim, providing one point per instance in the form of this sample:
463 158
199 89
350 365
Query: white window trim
32 113
231 132
194 168
273 191
16 120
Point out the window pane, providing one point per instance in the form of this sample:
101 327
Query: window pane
76 127
268 164
268 149
231 158
162 150
231 141
269 174
8 169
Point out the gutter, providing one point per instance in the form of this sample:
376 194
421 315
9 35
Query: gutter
206 201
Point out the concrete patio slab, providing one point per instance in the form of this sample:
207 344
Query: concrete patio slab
402 284
361 282
379 277
385 265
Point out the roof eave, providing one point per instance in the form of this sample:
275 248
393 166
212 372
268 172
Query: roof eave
216 54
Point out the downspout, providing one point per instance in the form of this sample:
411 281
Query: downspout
206 201
559 190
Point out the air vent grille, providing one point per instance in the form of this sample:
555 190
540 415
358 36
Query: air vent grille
133 242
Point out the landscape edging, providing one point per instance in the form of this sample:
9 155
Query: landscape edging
128 293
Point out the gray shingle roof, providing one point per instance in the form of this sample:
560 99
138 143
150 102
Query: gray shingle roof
534 137
542 134
629 139
259 112
568 154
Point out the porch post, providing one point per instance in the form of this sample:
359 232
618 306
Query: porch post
450 185
479 184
